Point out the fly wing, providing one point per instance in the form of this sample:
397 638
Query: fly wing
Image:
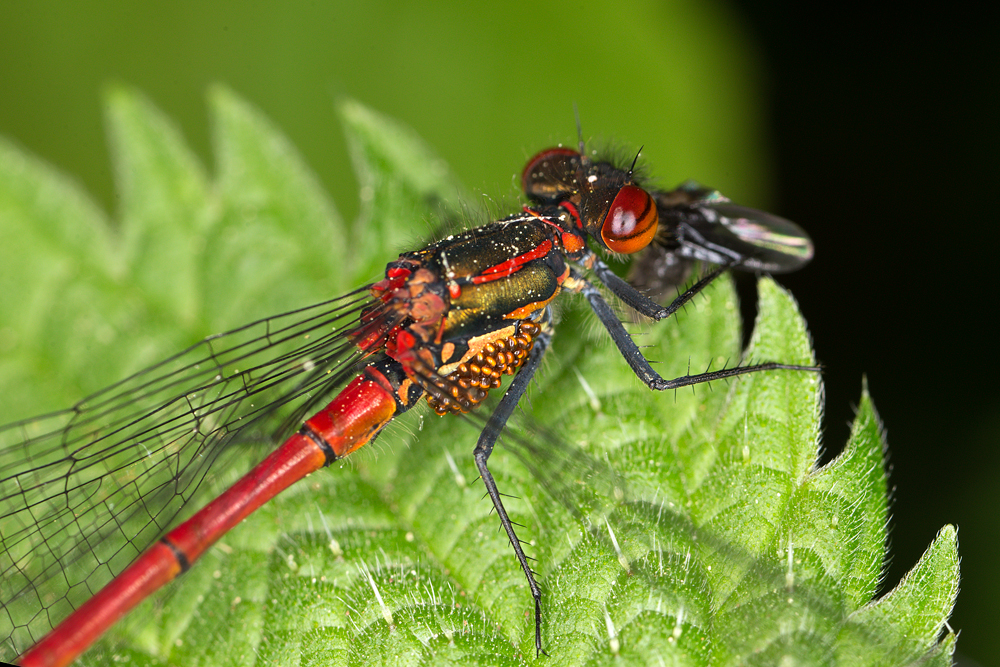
755 240
85 490
699 223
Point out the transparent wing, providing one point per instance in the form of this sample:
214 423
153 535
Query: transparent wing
85 490
700 223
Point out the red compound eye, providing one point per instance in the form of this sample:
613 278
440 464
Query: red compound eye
631 222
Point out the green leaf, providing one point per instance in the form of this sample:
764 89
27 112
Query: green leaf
691 528
279 242
60 260
400 182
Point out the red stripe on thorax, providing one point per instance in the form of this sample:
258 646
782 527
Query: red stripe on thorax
513 265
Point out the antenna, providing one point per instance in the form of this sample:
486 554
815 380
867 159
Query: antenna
634 160
579 132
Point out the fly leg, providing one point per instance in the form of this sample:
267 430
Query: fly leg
633 355
487 439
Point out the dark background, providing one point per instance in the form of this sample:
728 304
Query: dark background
886 140
878 134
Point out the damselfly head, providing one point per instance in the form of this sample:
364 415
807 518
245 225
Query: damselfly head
615 211
553 175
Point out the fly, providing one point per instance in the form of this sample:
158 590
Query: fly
444 324
693 223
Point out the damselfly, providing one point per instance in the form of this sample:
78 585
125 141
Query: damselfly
105 479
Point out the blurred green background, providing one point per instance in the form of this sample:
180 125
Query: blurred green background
879 136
